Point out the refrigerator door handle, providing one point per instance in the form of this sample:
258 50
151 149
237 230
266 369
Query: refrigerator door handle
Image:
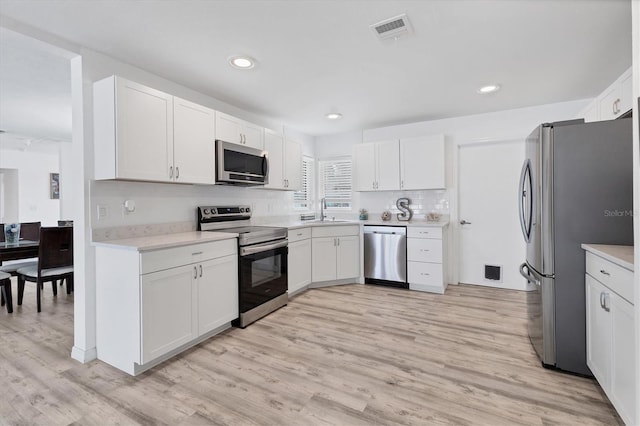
525 222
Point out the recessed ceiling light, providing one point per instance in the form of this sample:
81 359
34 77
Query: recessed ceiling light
334 116
490 88
242 62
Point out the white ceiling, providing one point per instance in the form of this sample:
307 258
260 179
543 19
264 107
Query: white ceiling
320 56
35 92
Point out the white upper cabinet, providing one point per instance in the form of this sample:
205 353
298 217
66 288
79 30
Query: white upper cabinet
422 163
377 166
293 164
194 142
133 131
235 130
285 162
613 102
144 134
273 144
364 165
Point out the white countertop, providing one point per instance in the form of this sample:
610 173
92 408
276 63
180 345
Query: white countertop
620 255
416 222
155 242
305 224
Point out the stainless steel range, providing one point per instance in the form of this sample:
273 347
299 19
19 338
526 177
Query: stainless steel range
262 263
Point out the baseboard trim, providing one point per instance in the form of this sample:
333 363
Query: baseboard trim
439 289
84 356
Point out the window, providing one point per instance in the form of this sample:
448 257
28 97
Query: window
335 183
303 199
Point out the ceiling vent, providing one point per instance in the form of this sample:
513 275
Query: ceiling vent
392 28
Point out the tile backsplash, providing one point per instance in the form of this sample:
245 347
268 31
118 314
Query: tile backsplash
422 202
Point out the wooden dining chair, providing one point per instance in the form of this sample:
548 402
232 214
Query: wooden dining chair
5 288
28 231
55 262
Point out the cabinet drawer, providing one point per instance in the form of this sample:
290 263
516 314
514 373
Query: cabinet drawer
299 234
335 231
424 232
169 258
425 273
617 278
424 250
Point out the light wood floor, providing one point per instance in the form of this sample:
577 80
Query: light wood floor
345 355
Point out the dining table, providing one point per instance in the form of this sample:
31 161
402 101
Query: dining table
23 249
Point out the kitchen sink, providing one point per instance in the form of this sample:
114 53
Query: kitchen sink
328 221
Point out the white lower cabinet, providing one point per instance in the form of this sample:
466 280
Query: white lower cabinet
335 253
168 319
426 253
150 305
299 259
217 293
610 333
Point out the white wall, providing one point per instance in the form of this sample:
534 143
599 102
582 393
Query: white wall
161 203
155 203
66 181
34 202
9 196
496 126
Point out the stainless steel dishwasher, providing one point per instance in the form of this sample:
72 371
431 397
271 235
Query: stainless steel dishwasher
385 255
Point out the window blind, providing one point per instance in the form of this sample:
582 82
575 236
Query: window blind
302 200
335 183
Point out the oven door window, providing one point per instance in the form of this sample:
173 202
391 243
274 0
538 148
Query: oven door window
263 276
265 270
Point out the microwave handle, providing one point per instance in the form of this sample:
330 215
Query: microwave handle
265 166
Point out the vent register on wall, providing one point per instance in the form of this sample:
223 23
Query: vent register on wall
144 134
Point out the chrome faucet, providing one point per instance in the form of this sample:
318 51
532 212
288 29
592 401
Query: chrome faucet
323 205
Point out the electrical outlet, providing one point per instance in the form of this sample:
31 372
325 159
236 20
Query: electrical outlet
103 212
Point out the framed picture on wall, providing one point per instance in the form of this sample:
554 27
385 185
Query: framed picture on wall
54 180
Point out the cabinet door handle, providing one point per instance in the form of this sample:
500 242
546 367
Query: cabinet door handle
338 240
603 272
177 172
424 273
605 305
195 272
200 270
170 172
601 299
424 249
402 184
299 234
196 253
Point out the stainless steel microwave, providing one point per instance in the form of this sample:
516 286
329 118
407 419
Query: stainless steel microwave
242 165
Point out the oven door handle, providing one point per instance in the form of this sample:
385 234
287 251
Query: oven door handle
245 251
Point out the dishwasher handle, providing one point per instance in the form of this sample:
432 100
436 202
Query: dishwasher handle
385 230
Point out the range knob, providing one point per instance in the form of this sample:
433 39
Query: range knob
248 210
241 209
205 211
214 211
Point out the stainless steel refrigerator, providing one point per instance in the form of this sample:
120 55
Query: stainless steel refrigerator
576 187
